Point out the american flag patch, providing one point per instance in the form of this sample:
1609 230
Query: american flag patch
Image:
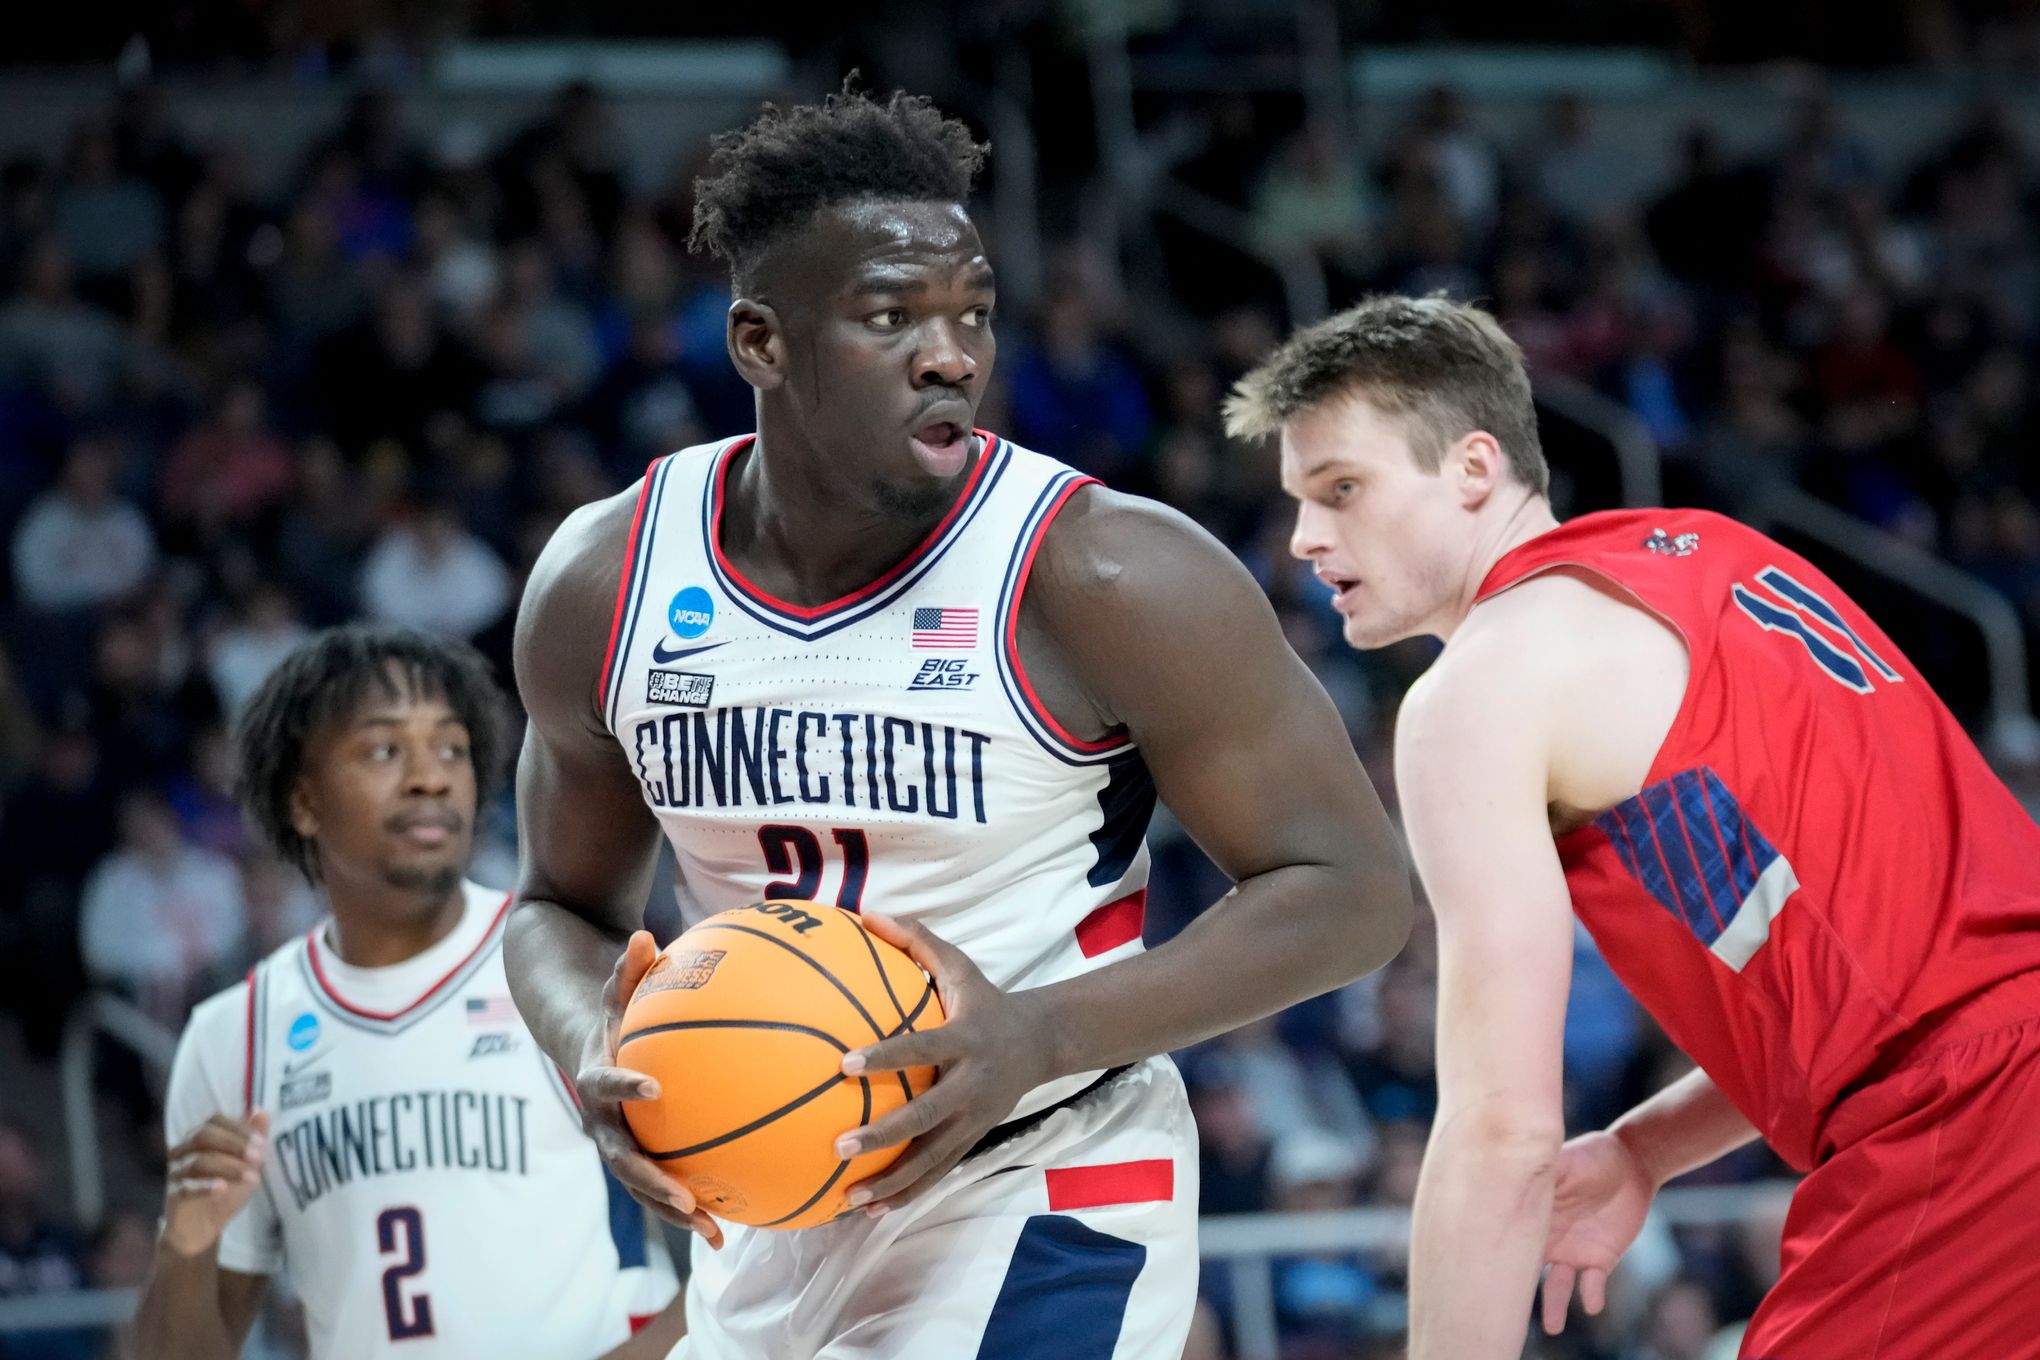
486 1011
945 628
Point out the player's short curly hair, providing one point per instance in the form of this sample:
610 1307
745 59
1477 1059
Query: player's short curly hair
769 177
1446 368
324 681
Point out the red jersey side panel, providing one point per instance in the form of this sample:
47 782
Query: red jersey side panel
1820 860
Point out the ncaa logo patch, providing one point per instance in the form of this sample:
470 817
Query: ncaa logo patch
690 613
681 689
304 1032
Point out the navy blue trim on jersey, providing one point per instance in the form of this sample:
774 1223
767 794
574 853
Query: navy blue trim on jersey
1685 839
997 459
634 606
1127 802
1009 599
626 1224
1065 1293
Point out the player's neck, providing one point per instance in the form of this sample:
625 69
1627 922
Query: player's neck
375 928
1518 523
806 530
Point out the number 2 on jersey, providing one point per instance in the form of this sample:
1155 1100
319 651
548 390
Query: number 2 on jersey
417 1320
797 851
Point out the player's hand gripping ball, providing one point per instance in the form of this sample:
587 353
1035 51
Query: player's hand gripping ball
744 1021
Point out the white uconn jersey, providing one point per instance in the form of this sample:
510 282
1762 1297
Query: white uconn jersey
427 1185
884 750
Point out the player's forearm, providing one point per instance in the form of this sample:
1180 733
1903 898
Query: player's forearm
179 1317
1483 1207
557 962
1279 938
1684 1126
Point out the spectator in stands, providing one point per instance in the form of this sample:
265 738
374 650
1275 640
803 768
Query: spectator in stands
262 632
159 911
1679 1324
108 220
430 572
1327 1300
38 1255
74 353
1077 391
81 545
1397 1075
1234 1150
226 472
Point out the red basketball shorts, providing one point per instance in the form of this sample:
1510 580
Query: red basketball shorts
1918 1238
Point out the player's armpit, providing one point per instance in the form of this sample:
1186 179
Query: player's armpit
1471 769
1161 631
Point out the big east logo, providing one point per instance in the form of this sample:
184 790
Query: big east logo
942 672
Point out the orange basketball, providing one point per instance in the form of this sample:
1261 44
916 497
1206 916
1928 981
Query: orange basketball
744 1021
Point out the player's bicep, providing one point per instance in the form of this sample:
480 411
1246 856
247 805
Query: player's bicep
1470 769
585 834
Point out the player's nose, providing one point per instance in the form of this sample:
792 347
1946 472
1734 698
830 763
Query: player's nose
942 359
1310 537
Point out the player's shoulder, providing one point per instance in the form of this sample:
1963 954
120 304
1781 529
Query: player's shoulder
1111 550
571 596
226 1011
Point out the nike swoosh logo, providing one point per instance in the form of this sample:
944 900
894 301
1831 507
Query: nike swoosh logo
665 655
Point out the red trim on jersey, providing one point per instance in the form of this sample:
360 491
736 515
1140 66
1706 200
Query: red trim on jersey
1112 925
312 949
640 1321
630 551
1012 639
1093 1187
806 613
248 1066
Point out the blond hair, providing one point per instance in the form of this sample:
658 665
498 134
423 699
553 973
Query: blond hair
1446 368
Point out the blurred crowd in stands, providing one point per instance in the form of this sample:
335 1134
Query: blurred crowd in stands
229 416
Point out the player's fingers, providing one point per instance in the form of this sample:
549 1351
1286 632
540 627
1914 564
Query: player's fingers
194 1189
1593 1291
639 1173
613 1086
1557 1293
940 959
216 1166
221 1134
915 1119
640 952
925 1163
936 1047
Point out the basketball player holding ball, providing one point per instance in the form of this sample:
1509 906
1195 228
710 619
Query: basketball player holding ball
874 657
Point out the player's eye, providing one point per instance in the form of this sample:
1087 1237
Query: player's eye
891 319
1343 488
383 750
453 753
979 317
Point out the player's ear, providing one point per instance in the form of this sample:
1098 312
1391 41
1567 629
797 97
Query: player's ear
1476 463
304 818
756 343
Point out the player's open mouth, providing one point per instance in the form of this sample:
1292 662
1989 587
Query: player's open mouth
429 829
942 446
1342 588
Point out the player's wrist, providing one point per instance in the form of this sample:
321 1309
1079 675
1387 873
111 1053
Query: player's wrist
186 1242
1645 1151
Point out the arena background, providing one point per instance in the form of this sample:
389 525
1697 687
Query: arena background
313 311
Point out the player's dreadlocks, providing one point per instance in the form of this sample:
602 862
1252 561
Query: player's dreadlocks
770 177
324 681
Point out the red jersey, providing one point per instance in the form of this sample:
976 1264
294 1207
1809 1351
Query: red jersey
1820 864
